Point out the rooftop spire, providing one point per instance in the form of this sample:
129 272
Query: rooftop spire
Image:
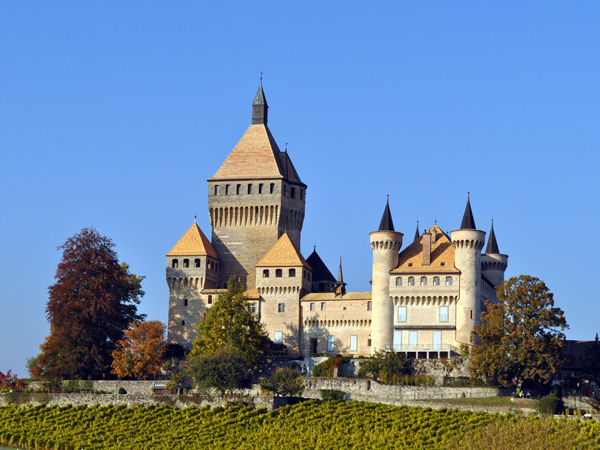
417 234
468 223
340 286
492 245
387 224
259 105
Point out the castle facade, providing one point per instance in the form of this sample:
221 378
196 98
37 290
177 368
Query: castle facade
426 297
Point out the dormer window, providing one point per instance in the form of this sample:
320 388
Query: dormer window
409 264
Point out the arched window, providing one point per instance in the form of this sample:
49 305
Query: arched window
266 273
411 281
278 273
398 281
186 263
175 263
423 281
312 307
436 281
448 281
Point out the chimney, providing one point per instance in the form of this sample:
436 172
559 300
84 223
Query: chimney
426 239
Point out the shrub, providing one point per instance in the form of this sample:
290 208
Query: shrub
325 369
285 382
385 365
332 394
550 405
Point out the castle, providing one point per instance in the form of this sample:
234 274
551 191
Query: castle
425 298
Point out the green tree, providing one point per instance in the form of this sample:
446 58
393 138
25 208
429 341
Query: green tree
230 336
93 300
224 370
140 353
383 365
284 382
521 335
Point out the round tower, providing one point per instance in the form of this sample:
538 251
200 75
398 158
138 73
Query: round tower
493 263
467 243
385 244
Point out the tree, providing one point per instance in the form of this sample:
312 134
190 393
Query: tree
383 365
284 382
230 338
90 305
140 353
10 382
521 335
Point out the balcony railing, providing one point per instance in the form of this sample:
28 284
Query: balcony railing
423 348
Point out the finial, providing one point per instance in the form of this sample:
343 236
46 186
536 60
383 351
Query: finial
315 248
435 221
468 195
194 218
286 147
261 75
388 198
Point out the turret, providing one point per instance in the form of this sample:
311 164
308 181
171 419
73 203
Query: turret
468 242
340 286
493 263
385 243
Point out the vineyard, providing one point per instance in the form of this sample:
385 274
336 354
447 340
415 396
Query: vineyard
308 425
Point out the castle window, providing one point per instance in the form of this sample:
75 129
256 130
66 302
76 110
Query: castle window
321 287
443 314
226 189
411 281
272 188
398 281
309 276
197 262
323 306
409 264
216 189
436 281
293 193
401 313
175 263
185 302
330 343
353 343
237 189
252 308
260 186
368 342
471 314
301 194
280 307
448 281
266 273
210 300
369 305
442 264
249 189
278 273
278 337
183 322
285 189
313 307
292 273
186 263
412 339
423 281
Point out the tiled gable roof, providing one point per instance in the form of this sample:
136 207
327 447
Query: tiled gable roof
283 254
442 256
193 243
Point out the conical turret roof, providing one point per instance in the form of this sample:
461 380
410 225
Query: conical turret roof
386 224
468 223
193 243
492 245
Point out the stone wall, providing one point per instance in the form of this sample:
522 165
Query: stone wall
112 386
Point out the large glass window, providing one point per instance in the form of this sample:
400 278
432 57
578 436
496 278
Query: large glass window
398 281
437 340
397 340
278 337
353 343
448 281
412 339
443 314
436 281
330 343
401 313
423 281
411 281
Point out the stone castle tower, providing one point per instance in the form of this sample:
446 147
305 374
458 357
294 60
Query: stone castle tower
254 198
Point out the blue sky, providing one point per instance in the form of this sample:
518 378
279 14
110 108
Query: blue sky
114 114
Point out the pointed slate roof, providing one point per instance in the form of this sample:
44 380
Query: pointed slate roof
340 278
193 243
386 224
320 270
283 254
417 234
468 223
260 98
492 245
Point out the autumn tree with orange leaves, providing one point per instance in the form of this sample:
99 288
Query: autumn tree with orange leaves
521 335
139 354
92 302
